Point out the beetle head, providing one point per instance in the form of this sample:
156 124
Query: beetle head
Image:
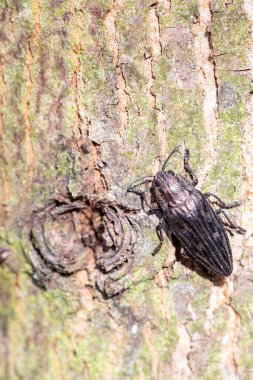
170 189
163 178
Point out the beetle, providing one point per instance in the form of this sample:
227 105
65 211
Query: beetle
189 215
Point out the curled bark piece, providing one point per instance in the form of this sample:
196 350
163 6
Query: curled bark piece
57 239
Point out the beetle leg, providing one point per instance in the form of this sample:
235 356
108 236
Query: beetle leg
142 195
188 168
133 189
160 234
221 203
138 182
230 224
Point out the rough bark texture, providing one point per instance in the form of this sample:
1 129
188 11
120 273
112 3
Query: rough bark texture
93 95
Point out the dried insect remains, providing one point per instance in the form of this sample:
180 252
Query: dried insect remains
189 215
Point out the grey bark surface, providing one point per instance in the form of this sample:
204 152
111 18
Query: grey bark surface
93 95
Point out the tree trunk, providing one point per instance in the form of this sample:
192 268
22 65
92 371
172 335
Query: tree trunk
94 94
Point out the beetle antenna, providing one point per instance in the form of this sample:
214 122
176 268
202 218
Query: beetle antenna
175 150
139 182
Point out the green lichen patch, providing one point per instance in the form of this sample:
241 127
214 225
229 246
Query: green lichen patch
230 40
39 319
199 303
243 301
220 322
159 335
186 124
211 371
64 163
230 33
181 12
7 299
177 95
91 350
129 24
227 171
232 116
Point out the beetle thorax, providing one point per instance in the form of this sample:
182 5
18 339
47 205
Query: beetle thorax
171 189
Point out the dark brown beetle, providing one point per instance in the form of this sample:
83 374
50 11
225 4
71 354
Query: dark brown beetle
189 215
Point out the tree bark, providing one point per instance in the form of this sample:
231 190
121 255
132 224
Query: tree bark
93 95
